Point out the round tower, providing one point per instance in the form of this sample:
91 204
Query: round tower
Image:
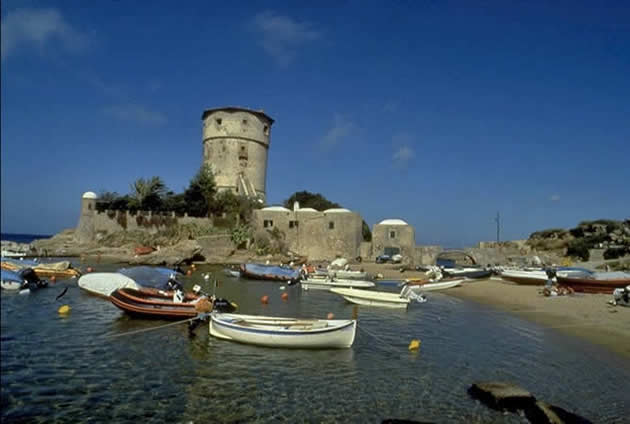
235 144
85 230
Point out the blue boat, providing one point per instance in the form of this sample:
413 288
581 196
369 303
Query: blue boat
269 272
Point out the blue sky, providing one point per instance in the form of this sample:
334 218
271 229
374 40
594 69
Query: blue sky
440 113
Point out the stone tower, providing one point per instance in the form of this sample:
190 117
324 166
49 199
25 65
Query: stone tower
235 144
85 230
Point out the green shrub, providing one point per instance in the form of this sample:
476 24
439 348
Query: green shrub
615 252
578 248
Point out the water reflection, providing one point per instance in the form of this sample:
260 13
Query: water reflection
85 367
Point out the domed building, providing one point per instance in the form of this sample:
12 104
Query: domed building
392 236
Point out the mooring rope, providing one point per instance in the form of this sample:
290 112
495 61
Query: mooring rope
143 330
377 338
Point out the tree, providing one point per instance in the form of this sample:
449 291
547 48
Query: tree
318 202
147 194
199 195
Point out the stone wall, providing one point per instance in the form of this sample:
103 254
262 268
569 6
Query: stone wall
317 235
426 255
108 222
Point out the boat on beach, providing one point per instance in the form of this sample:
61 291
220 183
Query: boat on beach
269 272
475 273
280 332
598 282
538 277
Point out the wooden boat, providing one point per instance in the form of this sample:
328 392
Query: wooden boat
283 332
154 303
597 283
269 272
373 298
319 284
422 286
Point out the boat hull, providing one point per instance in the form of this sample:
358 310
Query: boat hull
327 285
588 285
150 303
283 332
268 273
440 285
373 298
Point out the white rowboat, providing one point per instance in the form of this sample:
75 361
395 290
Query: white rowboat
282 332
440 285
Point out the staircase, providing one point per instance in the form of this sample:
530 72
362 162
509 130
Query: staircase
247 188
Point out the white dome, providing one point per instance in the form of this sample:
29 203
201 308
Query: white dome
336 210
392 222
276 208
89 195
306 210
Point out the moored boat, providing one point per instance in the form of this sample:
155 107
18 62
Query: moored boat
297 333
154 304
269 272
373 298
476 273
61 269
422 286
598 282
104 283
326 284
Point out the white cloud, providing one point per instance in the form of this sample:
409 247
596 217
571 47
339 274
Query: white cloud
37 26
554 197
403 155
282 36
340 129
136 113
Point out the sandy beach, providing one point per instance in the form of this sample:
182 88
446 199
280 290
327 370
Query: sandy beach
587 316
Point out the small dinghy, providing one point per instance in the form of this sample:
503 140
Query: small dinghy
269 272
281 332
154 303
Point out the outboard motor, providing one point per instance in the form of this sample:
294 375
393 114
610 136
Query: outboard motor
223 305
177 288
31 280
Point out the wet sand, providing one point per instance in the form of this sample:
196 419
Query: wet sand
587 316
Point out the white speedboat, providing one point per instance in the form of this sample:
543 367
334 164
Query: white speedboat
430 286
283 332
379 298
319 284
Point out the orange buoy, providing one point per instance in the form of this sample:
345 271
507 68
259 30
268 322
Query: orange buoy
89 269
53 279
330 315
189 272
285 296
264 300
193 266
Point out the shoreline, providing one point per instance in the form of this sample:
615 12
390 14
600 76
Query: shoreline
586 316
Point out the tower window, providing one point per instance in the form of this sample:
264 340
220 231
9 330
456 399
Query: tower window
266 129
268 223
392 234
219 121
293 224
244 121
331 225
242 150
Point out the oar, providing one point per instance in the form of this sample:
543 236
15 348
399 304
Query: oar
62 294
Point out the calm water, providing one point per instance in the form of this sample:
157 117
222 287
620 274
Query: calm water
21 238
74 369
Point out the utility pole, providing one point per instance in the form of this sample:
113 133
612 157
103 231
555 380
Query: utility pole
498 221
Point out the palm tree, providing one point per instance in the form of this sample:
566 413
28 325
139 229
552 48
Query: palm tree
147 194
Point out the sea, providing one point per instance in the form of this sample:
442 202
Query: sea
22 238
98 364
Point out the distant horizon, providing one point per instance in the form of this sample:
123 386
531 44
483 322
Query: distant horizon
440 114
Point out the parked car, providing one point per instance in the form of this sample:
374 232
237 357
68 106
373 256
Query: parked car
383 259
397 258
